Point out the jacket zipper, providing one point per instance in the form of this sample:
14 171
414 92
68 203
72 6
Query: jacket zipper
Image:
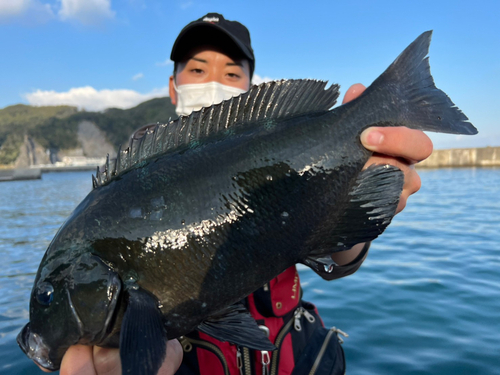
277 343
324 346
298 314
265 358
321 352
243 361
286 328
187 346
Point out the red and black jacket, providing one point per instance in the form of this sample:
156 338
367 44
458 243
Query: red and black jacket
304 345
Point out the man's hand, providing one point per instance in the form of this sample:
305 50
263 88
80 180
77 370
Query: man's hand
88 360
398 146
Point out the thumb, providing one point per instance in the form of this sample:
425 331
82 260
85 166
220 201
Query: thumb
353 92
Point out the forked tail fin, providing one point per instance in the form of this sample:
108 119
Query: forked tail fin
408 92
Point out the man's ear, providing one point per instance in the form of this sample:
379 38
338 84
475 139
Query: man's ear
171 90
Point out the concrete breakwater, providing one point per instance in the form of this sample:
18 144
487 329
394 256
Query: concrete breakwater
20 174
68 164
463 157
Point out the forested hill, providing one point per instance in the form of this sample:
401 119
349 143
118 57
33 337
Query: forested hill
56 127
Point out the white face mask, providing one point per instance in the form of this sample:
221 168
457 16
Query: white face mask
194 96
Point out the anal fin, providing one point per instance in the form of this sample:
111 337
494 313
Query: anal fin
143 337
236 325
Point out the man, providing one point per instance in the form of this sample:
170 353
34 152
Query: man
213 61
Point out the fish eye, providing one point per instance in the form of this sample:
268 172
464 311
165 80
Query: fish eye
44 293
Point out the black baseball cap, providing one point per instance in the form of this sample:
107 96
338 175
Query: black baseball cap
214 29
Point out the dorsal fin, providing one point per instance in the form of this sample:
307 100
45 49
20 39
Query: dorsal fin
269 100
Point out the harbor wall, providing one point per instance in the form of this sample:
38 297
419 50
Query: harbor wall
463 157
20 174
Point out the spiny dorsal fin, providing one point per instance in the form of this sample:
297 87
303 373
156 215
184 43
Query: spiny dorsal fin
269 100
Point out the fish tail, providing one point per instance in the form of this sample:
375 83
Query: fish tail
409 97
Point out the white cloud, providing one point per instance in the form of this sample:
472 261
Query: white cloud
167 62
186 5
91 99
137 76
87 12
9 8
257 80
30 11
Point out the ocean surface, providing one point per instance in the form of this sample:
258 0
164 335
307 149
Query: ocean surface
426 300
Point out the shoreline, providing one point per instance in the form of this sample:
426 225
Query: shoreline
483 157
35 173
20 174
70 168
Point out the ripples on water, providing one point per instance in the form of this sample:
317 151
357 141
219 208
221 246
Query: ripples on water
426 301
30 213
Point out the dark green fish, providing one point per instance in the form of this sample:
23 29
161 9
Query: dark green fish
201 212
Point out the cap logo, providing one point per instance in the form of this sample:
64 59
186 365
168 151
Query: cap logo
211 19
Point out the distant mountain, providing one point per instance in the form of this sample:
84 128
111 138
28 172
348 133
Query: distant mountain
18 120
60 128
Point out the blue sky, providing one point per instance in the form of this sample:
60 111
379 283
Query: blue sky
100 53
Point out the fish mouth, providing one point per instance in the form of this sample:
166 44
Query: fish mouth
34 347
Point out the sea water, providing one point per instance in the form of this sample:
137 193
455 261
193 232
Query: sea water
425 301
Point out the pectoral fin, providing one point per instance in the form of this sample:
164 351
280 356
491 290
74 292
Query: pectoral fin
236 325
143 337
372 204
